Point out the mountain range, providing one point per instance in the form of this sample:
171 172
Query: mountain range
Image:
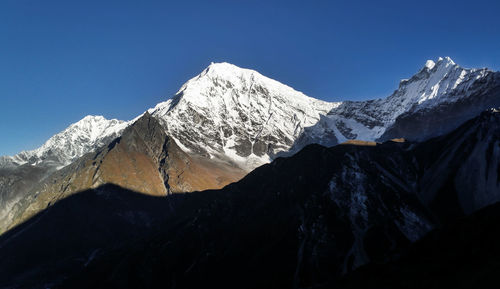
238 175
241 116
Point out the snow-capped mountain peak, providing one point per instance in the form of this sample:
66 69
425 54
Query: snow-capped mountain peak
77 139
241 116
435 84
232 77
430 64
238 114
439 64
446 60
441 61
438 83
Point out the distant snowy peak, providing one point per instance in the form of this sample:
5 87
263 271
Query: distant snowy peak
443 82
224 77
446 61
433 84
439 79
239 114
78 139
438 83
430 64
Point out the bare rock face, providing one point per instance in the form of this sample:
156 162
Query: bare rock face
227 121
20 175
462 172
465 102
15 185
321 208
298 222
233 117
437 99
238 115
84 136
144 159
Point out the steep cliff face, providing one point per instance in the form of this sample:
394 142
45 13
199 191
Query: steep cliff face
293 223
461 254
15 185
79 138
144 159
238 115
434 101
300 221
472 96
461 170
20 175
227 121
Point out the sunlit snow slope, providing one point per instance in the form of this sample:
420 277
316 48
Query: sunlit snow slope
239 116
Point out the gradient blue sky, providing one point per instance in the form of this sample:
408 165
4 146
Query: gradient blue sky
62 60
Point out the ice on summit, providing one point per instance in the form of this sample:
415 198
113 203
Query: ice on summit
241 116
430 64
447 60
238 114
433 85
76 140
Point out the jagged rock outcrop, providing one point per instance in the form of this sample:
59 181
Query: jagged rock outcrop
144 159
21 174
436 100
238 115
460 171
84 136
243 118
460 255
302 221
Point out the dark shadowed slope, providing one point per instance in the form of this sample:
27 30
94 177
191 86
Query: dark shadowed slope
463 254
286 223
466 102
306 220
15 184
144 159
67 235
460 172
298 222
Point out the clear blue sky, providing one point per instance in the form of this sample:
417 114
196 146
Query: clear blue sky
62 60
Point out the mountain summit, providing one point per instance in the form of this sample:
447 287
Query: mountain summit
437 99
228 120
322 212
86 135
300 222
239 116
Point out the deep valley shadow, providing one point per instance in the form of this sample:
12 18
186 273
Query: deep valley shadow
462 254
67 235
299 222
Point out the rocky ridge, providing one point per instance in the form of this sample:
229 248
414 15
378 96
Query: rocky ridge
242 117
143 159
298 222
